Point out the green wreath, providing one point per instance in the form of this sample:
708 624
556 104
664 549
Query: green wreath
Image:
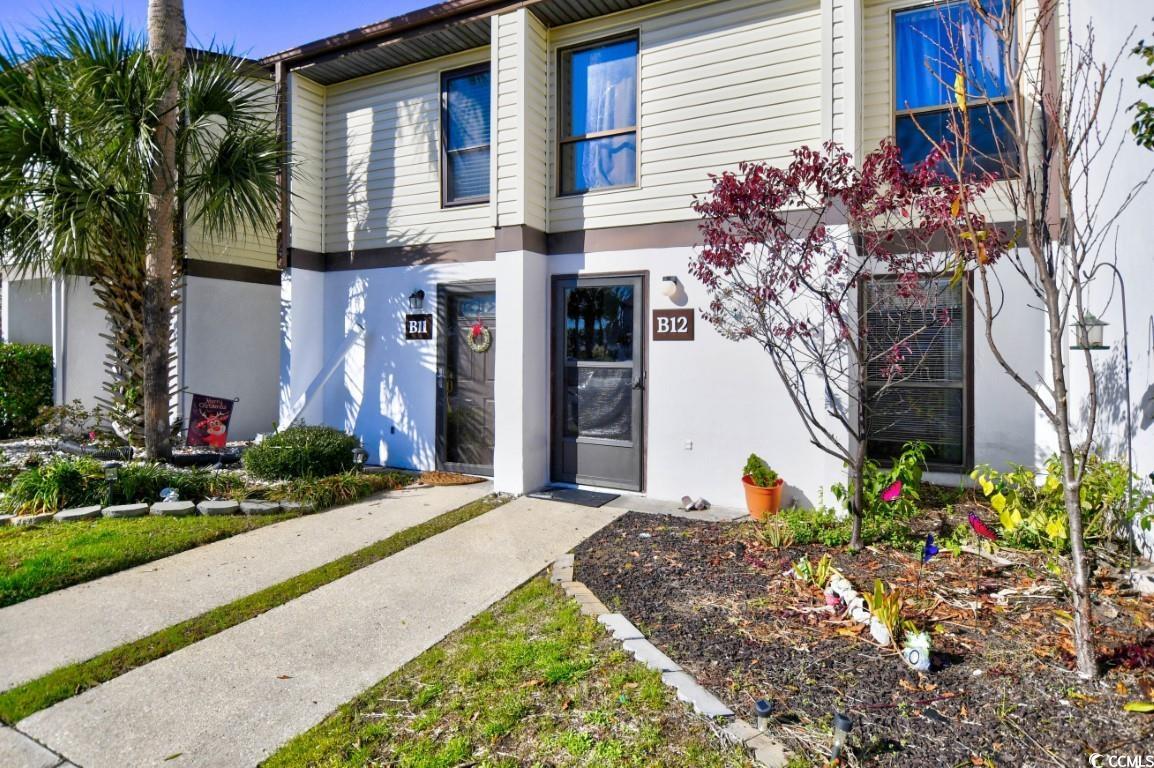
479 339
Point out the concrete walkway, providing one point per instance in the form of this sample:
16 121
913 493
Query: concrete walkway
80 622
233 698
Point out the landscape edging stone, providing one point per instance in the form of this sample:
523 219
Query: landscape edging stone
763 748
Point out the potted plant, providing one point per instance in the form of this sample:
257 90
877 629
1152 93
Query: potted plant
762 488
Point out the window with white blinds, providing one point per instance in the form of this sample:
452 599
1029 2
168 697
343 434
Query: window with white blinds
916 380
465 108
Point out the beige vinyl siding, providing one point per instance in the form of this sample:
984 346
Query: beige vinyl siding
250 247
521 116
720 83
307 138
383 158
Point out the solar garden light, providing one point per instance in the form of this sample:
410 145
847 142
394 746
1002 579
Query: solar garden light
111 475
762 710
842 725
360 456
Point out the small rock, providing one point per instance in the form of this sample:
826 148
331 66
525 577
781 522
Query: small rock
259 507
77 513
173 508
229 507
126 510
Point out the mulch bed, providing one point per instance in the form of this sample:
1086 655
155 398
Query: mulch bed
1001 691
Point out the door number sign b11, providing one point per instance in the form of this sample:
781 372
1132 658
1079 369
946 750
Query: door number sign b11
418 326
673 325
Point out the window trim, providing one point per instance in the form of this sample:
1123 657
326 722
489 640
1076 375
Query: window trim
968 380
564 106
896 113
446 169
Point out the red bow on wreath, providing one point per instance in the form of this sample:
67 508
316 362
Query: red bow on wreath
477 330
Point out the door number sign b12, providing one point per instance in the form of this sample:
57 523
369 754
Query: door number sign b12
673 325
418 326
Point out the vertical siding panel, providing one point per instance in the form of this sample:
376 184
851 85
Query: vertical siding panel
306 139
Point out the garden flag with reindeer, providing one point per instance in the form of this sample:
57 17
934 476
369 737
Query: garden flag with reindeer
208 422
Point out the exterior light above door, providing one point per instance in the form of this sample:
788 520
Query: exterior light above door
669 286
416 300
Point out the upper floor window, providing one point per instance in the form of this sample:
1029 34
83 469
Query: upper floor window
465 107
598 136
950 81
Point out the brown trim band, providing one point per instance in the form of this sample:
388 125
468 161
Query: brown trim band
669 234
394 256
520 238
240 273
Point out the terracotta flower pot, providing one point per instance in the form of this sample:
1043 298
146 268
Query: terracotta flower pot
762 502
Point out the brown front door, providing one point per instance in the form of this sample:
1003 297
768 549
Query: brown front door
465 399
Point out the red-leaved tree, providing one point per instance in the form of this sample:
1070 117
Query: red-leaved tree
837 270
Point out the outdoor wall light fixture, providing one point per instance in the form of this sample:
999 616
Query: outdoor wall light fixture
416 300
842 725
669 286
762 710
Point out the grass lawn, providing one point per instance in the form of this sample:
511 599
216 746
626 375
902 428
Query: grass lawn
42 559
72 680
529 682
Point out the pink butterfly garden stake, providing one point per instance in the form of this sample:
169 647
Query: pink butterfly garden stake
893 492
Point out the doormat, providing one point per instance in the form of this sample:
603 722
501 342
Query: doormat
574 496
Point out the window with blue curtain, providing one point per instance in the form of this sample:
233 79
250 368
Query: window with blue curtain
598 143
950 80
465 105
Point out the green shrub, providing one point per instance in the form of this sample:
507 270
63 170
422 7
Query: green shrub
57 484
25 387
1031 506
759 472
304 451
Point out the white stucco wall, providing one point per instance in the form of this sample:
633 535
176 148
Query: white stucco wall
385 390
1130 245
80 350
711 402
27 310
232 349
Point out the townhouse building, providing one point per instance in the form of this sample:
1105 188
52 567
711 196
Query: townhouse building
516 179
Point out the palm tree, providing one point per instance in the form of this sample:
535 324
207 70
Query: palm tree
166 41
87 133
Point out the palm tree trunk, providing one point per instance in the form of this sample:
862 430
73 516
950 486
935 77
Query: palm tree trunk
166 41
